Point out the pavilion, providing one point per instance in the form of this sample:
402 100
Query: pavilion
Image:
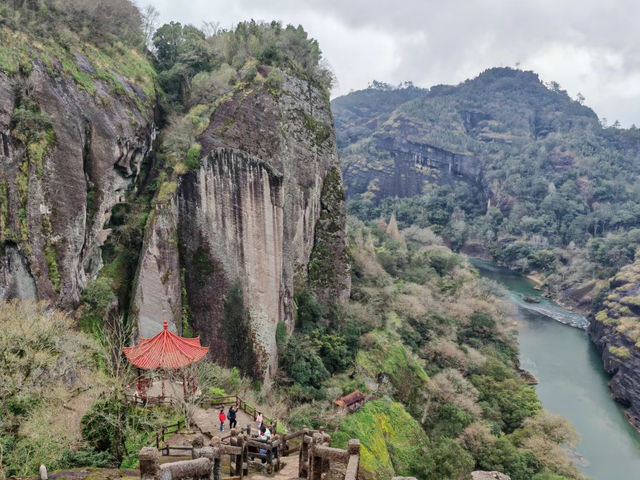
165 351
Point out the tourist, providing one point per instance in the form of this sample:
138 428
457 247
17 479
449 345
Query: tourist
263 436
231 415
222 418
267 432
259 420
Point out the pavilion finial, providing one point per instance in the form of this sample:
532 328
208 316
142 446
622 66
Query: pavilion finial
165 325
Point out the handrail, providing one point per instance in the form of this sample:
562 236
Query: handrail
221 400
163 432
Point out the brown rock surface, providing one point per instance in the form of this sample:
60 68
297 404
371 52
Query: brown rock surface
251 215
61 206
479 475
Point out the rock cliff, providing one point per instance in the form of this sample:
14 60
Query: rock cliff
224 245
73 136
261 218
615 330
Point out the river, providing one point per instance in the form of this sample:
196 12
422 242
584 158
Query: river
572 380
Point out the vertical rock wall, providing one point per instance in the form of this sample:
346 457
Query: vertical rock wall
54 203
249 220
231 228
158 288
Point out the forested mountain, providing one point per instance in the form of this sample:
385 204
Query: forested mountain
502 161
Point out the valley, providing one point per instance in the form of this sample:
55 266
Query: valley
194 195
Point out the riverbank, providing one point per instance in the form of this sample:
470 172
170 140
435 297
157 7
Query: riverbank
572 381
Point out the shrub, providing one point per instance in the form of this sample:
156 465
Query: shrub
274 81
87 458
193 157
97 299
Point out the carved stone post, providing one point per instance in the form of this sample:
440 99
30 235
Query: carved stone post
303 457
316 460
239 467
233 441
149 463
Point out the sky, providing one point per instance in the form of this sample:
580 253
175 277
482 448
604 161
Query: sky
587 46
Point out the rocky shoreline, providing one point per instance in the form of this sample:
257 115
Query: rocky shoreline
615 330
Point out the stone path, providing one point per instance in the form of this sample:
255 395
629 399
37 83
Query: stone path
207 421
288 472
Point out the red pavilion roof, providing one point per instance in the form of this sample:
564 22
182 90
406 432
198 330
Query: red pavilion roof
165 350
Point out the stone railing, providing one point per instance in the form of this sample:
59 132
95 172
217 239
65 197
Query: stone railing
315 457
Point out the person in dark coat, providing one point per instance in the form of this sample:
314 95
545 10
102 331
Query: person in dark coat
231 416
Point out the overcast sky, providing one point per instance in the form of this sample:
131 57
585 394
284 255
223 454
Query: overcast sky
588 46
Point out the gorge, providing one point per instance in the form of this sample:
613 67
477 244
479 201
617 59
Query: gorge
204 177
572 382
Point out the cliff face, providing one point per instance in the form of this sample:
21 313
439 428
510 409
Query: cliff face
69 153
616 332
266 200
262 217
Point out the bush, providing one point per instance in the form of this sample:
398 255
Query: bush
274 81
303 364
103 426
87 458
97 299
193 157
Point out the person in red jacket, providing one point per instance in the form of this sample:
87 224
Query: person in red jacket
222 418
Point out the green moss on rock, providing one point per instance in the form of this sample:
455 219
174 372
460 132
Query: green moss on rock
392 442
327 269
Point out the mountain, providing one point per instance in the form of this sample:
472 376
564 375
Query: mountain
506 167
501 165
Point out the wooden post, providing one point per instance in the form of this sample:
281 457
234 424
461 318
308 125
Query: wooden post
239 458
245 457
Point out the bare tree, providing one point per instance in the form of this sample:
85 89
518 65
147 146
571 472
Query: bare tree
211 28
150 16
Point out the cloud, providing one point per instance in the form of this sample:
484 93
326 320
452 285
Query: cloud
587 46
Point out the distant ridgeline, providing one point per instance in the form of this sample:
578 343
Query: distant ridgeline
502 165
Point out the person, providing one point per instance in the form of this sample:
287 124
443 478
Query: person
267 432
222 418
263 436
231 415
259 420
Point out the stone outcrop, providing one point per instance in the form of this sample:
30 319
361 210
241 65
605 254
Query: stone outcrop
480 475
615 330
402 167
260 219
67 157
158 294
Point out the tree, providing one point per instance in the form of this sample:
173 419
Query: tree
150 17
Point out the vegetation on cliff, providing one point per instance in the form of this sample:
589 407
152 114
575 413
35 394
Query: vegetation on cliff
437 353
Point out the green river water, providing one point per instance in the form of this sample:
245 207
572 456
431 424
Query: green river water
572 380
